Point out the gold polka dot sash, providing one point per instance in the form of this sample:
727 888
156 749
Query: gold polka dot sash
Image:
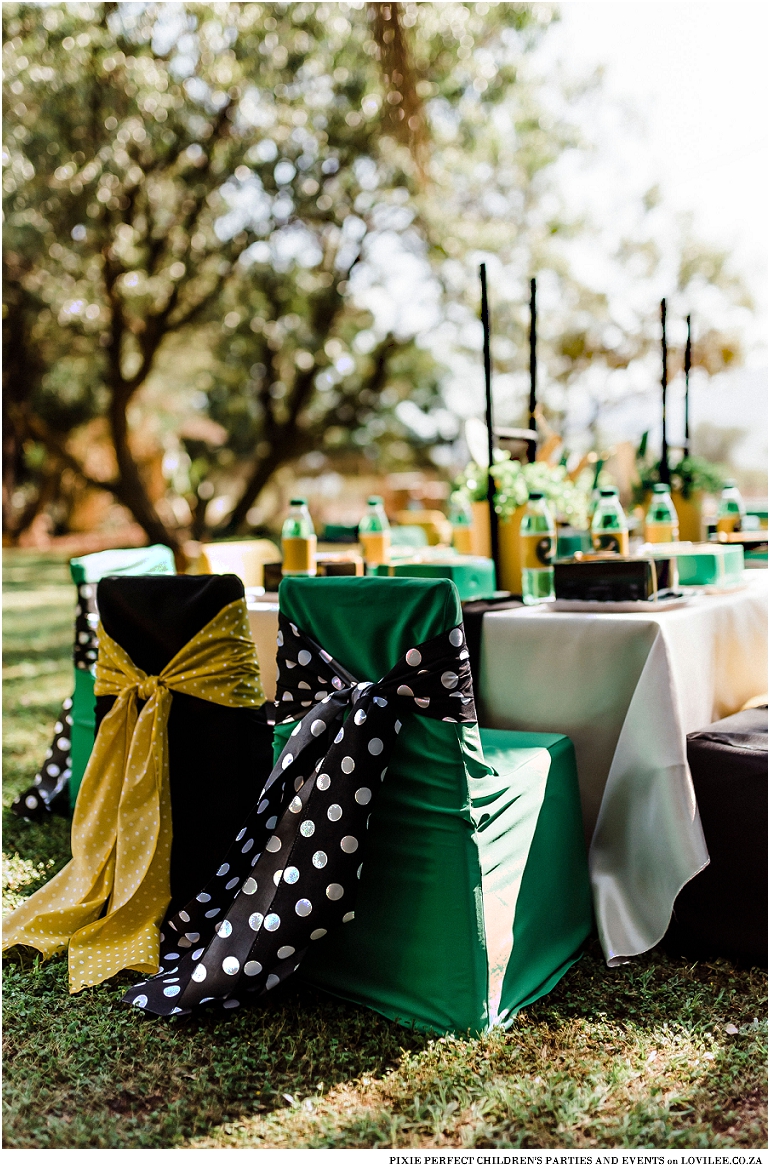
108 902
292 871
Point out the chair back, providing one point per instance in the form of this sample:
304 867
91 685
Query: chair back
246 559
86 572
421 869
219 757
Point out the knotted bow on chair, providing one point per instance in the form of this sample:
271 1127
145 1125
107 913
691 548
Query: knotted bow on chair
293 870
121 827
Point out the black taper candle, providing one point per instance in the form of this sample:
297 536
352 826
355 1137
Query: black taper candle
664 474
532 444
493 535
687 365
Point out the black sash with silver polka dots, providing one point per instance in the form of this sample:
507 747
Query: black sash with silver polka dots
293 870
50 790
86 622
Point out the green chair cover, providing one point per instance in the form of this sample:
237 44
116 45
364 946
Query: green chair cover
474 896
90 569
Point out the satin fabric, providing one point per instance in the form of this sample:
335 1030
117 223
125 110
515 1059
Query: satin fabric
108 901
292 871
475 870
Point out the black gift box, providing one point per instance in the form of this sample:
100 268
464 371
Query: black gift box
614 580
219 757
330 565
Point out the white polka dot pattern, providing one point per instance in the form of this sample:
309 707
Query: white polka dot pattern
50 791
309 824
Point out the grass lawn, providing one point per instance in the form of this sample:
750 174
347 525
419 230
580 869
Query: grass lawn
661 1053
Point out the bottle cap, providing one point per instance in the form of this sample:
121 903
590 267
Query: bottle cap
298 501
661 488
730 484
374 501
610 491
536 495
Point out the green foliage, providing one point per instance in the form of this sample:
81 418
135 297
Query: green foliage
514 481
692 474
227 166
235 179
314 362
632 1057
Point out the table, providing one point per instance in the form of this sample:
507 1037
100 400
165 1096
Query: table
263 621
627 689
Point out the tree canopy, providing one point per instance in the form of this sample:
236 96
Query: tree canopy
240 178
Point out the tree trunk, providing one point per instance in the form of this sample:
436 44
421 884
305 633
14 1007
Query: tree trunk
198 528
21 369
291 443
129 487
45 494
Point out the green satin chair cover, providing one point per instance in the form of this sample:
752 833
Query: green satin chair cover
474 896
92 568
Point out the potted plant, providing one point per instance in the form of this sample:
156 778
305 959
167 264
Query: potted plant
569 501
690 479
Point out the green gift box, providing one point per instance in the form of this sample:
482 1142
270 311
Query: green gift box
711 565
473 576
572 541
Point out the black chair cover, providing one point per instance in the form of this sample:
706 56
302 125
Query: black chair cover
219 757
723 910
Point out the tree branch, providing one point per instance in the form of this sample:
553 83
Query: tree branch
38 430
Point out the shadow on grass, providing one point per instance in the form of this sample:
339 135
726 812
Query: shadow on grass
638 1056
604 1059
86 1071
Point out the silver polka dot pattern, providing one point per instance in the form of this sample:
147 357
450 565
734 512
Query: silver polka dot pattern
340 742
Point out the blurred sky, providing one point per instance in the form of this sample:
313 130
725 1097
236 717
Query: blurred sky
697 73
692 80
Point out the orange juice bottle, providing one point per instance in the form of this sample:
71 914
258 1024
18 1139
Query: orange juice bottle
462 524
298 541
609 528
374 533
537 543
661 523
731 510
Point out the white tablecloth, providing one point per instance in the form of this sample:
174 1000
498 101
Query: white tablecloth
627 689
263 621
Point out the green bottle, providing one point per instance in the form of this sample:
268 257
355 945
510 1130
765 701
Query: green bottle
537 544
661 523
298 541
731 511
609 528
374 533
